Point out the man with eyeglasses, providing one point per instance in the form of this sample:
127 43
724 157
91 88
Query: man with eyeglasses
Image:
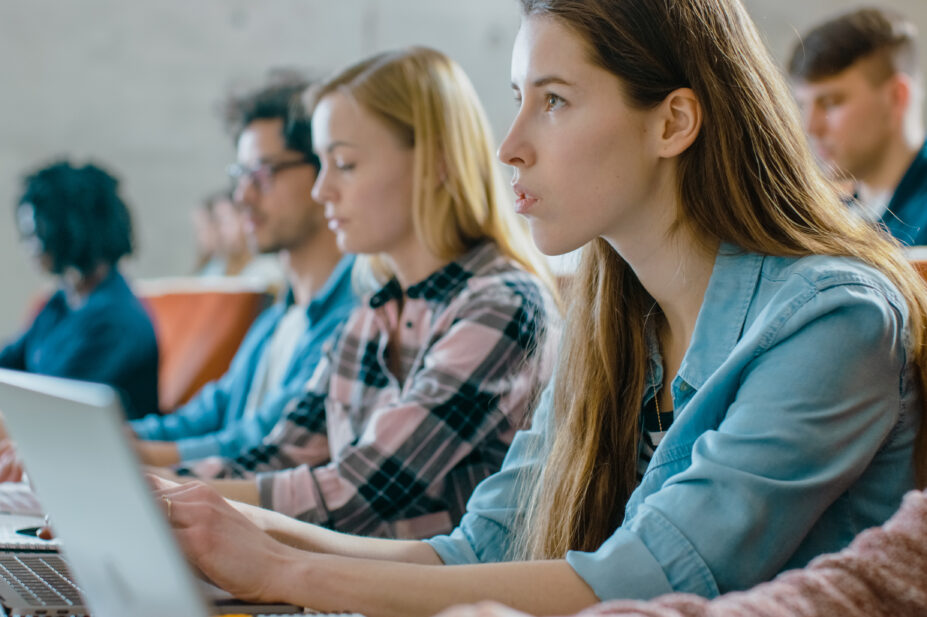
273 179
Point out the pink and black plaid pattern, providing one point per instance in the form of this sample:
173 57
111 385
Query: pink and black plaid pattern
374 451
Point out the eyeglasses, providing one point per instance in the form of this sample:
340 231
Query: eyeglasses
262 176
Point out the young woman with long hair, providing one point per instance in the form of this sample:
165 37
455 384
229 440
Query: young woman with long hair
423 388
739 384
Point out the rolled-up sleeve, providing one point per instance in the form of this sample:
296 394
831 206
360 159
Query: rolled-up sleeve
298 437
245 432
202 414
485 533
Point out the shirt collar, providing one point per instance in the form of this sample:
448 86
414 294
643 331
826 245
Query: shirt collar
442 283
720 320
339 277
110 285
914 175
901 207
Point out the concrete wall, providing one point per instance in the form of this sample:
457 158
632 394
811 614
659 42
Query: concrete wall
136 85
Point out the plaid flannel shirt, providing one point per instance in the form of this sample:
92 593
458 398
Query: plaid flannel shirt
370 452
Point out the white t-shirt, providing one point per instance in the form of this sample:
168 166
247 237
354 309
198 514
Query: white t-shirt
271 368
872 206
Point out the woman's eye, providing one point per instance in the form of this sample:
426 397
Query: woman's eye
344 166
552 101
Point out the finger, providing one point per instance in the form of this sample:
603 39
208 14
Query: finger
130 434
188 504
161 472
6 455
10 468
15 469
9 454
196 487
158 483
182 510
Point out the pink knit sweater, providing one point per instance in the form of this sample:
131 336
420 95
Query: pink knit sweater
883 573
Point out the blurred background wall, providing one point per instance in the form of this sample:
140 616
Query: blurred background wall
138 86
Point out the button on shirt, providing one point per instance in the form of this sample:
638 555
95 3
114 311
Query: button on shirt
795 415
375 451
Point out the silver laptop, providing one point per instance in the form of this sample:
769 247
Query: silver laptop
114 536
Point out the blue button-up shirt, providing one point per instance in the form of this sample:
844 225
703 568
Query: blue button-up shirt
214 422
796 411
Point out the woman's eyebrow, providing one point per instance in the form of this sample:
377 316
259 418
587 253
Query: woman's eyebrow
549 79
540 82
338 144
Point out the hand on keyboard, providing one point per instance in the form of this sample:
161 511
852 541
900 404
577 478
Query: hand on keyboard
224 544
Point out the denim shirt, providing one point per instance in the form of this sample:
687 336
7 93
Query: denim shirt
213 423
796 410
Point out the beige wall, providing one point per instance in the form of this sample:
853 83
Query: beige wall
136 85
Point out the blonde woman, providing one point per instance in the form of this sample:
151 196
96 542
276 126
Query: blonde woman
739 384
423 388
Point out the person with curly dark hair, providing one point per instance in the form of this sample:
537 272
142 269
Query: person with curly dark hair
93 328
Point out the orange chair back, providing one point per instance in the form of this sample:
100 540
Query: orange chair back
198 334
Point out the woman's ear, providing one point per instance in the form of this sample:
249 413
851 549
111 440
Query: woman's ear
680 117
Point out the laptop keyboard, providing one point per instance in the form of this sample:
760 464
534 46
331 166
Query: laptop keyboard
42 579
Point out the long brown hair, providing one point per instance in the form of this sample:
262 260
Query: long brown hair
748 179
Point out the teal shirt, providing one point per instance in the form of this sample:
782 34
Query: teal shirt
795 416
906 216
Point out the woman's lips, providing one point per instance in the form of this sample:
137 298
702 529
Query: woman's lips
524 201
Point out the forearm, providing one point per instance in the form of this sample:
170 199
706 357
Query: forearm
231 438
244 491
379 589
171 427
317 539
157 453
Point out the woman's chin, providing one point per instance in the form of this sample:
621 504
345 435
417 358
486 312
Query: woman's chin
553 244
